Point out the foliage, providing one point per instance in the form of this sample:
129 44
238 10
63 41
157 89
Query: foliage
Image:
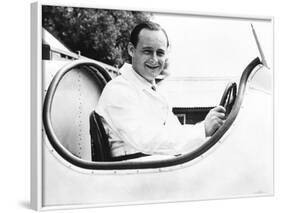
100 34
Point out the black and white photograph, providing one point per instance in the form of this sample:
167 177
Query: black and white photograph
144 106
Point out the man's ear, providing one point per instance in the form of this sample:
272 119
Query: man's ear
131 49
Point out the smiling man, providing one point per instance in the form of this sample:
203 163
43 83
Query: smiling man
136 117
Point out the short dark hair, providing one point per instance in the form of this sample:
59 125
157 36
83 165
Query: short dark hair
145 25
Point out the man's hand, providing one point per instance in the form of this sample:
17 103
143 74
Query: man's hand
214 120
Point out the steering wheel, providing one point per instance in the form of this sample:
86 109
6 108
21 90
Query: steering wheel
228 97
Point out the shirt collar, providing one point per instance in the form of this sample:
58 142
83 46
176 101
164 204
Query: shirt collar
130 74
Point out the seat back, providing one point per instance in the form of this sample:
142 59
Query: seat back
99 139
71 97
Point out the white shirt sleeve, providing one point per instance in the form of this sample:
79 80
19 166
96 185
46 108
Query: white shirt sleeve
123 111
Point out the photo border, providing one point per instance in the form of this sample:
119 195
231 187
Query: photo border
37 101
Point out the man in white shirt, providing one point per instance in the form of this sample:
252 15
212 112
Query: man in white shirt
136 117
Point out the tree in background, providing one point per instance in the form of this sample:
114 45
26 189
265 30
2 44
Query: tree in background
97 33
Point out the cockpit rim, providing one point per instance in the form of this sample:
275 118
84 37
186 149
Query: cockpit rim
134 165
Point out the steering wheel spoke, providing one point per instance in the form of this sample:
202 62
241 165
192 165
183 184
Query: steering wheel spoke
228 97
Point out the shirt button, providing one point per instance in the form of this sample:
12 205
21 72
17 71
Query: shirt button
153 88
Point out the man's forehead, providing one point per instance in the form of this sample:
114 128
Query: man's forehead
152 37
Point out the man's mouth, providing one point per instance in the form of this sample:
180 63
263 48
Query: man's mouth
152 66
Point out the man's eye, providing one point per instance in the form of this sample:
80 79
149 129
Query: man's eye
146 51
160 53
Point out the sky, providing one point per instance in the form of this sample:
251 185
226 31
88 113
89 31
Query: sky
214 47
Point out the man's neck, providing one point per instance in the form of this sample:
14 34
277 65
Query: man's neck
149 81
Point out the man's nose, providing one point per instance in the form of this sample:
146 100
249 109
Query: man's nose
154 58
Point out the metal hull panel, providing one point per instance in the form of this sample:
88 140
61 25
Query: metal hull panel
240 165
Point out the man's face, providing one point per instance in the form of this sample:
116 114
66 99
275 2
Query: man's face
150 54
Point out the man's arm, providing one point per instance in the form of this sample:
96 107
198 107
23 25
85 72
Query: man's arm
136 125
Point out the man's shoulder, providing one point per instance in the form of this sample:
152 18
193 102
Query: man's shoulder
119 83
118 88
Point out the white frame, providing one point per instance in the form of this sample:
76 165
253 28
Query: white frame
36 111
36 89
